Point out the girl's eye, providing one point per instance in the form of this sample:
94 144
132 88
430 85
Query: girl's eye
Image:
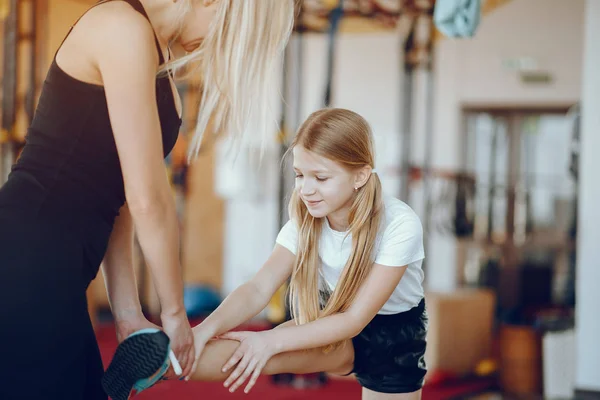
298 176
321 179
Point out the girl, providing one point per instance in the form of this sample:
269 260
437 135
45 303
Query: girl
354 258
93 169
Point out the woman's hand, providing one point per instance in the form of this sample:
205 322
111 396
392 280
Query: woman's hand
129 325
251 357
178 328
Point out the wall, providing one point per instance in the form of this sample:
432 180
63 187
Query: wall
470 72
588 273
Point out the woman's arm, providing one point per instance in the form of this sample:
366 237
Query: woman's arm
128 65
117 268
249 299
119 278
127 59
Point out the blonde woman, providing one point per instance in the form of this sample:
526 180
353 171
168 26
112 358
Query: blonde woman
92 172
354 257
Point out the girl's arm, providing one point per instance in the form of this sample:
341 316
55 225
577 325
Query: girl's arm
249 299
257 348
376 290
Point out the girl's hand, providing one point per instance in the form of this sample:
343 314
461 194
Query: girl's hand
202 336
251 357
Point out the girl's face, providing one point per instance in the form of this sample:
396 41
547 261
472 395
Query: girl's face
325 187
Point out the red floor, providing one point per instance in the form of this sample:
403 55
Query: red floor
264 390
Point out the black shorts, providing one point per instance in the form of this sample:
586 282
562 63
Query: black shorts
389 353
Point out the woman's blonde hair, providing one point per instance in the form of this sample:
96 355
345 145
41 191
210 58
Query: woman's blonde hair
344 137
237 61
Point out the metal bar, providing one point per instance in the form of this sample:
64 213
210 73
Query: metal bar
33 60
9 90
282 139
334 19
428 114
9 68
492 178
406 113
515 127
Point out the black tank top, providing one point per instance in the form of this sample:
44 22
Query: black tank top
70 154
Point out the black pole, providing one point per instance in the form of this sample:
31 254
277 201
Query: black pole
428 140
31 94
9 88
282 139
334 20
492 179
406 112
9 68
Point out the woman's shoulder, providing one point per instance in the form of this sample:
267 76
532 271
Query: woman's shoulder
110 30
114 23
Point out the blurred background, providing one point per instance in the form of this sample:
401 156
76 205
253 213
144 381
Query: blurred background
485 116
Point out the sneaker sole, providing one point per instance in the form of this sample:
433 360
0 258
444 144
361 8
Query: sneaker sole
137 357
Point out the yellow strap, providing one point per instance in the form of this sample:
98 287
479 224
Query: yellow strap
4 8
4 135
276 311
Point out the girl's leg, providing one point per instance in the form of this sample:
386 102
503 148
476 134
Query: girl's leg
370 395
217 352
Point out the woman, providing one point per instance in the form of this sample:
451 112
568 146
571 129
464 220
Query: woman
92 171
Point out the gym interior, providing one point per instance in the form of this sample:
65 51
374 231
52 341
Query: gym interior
486 127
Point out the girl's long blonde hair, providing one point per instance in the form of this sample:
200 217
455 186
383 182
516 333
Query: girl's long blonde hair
237 61
344 137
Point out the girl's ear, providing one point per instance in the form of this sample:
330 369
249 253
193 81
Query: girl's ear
362 176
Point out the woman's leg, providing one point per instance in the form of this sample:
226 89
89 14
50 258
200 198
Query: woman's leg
217 352
371 395
49 349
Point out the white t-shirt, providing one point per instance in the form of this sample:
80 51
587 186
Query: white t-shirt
399 243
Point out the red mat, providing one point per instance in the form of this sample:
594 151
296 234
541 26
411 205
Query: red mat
264 389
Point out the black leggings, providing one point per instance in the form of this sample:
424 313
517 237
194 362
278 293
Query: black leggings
48 348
